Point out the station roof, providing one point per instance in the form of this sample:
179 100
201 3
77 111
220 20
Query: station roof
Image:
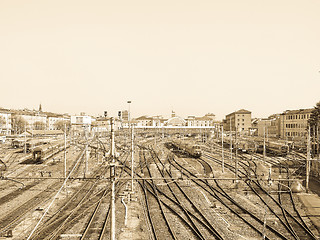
45 132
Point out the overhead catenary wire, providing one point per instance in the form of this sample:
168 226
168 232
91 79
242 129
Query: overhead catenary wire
54 198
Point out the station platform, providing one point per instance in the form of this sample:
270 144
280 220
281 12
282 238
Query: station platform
311 203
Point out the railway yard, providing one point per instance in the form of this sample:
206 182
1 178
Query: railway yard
183 188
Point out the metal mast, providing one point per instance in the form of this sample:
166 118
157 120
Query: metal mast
308 161
113 180
222 150
132 155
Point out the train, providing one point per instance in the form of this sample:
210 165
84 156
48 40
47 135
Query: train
275 148
43 152
29 143
247 146
242 145
188 147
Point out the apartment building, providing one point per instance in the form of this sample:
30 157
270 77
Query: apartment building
294 123
5 122
239 121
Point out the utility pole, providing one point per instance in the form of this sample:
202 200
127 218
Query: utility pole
222 150
264 144
113 180
65 155
25 139
236 155
308 162
86 150
230 140
132 155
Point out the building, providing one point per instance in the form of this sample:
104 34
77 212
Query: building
144 121
5 122
79 122
270 127
125 115
101 124
205 121
294 123
239 121
54 119
34 120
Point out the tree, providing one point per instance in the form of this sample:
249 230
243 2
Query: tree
18 124
38 125
60 125
314 123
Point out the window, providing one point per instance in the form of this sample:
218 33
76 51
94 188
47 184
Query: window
242 120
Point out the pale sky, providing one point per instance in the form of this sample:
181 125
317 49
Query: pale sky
192 57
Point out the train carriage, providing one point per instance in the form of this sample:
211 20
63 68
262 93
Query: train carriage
190 148
42 153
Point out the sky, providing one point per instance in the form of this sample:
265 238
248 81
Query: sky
192 57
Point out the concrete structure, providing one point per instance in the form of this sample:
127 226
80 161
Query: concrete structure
293 124
238 121
44 133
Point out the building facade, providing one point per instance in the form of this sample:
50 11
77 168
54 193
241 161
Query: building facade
205 121
33 120
52 121
5 123
239 121
294 123
270 127
79 122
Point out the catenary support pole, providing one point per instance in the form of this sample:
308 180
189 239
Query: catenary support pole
132 155
112 177
264 144
222 151
308 161
65 155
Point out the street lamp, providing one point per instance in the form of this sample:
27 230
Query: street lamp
129 112
132 146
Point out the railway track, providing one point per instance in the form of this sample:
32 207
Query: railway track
11 219
275 207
